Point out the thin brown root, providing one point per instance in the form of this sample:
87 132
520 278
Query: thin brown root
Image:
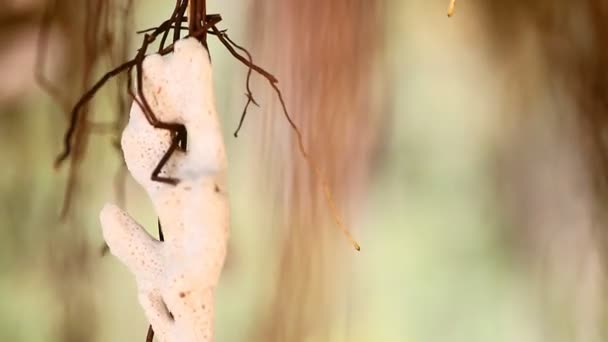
318 175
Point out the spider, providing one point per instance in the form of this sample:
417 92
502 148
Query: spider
200 24
198 29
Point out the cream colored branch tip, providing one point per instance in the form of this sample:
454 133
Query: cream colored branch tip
176 278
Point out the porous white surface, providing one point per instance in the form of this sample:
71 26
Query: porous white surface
176 279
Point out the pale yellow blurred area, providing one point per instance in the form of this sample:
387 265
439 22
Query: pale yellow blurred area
445 255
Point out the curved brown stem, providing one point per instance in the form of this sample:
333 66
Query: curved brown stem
178 131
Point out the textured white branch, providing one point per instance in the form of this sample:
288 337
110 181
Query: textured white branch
176 278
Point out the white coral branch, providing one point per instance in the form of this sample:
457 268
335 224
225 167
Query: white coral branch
176 278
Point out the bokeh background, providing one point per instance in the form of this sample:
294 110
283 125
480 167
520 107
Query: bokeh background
466 154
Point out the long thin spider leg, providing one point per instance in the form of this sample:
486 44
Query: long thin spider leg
228 43
75 113
221 37
178 131
164 27
313 166
244 114
175 142
150 335
212 19
161 236
152 29
155 174
67 140
249 93
180 13
174 22
210 32
178 18
178 5
175 128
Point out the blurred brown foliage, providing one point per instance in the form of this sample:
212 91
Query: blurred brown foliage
555 168
571 38
62 44
325 55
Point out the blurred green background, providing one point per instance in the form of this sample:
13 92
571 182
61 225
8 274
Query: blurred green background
477 217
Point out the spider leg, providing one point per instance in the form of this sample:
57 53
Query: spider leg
179 16
249 93
75 114
178 131
229 45
150 335
175 144
152 29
